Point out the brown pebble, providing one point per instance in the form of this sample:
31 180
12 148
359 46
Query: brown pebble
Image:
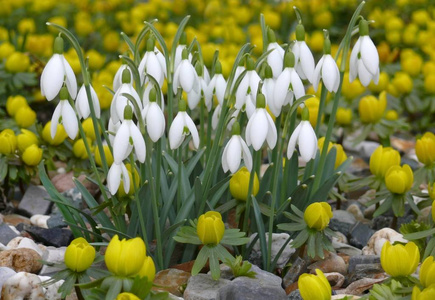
21 260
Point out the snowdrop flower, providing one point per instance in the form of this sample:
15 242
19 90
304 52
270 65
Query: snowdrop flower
179 51
234 151
305 137
247 90
66 113
217 114
146 96
260 127
217 86
117 80
82 104
185 76
113 129
288 85
181 126
56 73
304 60
150 64
276 58
364 59
194 96
239 70
118 172
119 101
128 135
154 118
327 70
268 90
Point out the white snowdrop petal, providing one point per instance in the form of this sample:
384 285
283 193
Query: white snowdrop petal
317 73
329 74
364 75
176 78
138 142
187 78
114 178
242 90
162 61
71 81
369 54
208 92
259 128
121 143
193 130
224 158
52 77
69 120
306 143
292 142
96 102
298 86
153 68
247 157
281 88
176 136
55 119
221 86
306 61
193 99
215 117
234 154
126 178
272 134
353 63
155 121
254 79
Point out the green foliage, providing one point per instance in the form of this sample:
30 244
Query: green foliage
240 267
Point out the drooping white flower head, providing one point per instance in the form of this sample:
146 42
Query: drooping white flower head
181 126
288 86
119 101
153 117
82 104
247 91
305 137
151 65
260 127
185 76
276 58
217 86
327 69
112 129
239 70
179 51
217 114
146 96
364 59
56 73
304 60
195 95
66 114
118 172
234 151
268 90
117 80
128 135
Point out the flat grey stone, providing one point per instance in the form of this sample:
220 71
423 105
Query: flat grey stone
203 287
362 260
6 234
342 221
245 288
346 249
34 201
5 273
295 295
298 267
53 255
265 277
278 241
360 235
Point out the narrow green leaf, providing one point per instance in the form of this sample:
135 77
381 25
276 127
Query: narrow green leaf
200 260
261 232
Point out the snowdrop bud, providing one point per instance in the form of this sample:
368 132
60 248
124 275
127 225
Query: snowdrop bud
58 45
289 60
261 101
271 36
128 113
126 76
250 65
300 33
150 44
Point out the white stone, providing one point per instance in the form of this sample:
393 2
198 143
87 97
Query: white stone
5 273
23 286
22 242
278 240
378 239
50 291
54 255
39 220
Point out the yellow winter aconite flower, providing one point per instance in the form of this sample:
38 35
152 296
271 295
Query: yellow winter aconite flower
402 82
425 149
372 109
96 60
79 148
79 255
148 269
391 115
88 127
317 215
344 116
382 159
25 139
126 257
239 184
127 296
32 155
351 90
382 85
210 228
429 83
58 138
314 287
426 294
6 49
400 260
14 103
107 154
26 25
340 155
412 64
427 272
25 117
17 62
398 179
8 142
133 184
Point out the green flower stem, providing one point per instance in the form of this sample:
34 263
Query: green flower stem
331 123
209 130
180 186
277 159
322 103
136 198
289 126
202 123
158 167
257 164
155 205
